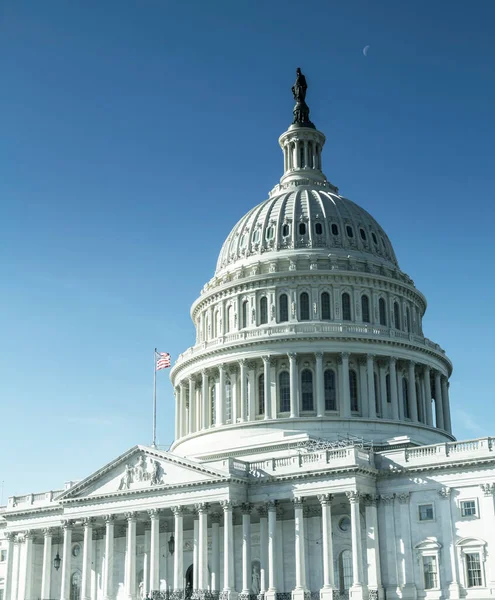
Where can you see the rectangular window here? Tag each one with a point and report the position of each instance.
(469, 508)
(473, 569)
(430, 572)
(426, 512)
(3, 555)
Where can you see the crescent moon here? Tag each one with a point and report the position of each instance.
(365, 50)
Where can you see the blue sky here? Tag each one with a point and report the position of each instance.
(135, 134)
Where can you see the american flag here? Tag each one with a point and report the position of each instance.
(162, 360)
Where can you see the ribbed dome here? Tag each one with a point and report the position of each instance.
(306, 219)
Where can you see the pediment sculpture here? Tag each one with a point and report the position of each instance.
(146, 470)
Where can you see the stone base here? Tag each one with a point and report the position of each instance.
(392, 592)
(228, 595)
(358, 592)
(271, 595)
(409, 592)
(301, 594)
(454, 591)
(329, 593)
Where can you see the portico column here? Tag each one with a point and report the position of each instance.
(427, 386)
(320, 390)
(202, 509)
(345, 406)
(87, 558)
(46, 569)
(228, 550)
(272, 546)
(195, 548)
(370, 370)
(300, 551)
(393, 388)
(192, 405)
(409, 591)
(449, 538)
(109, 550)
(488, 514)
(263, 512)
(357, 590)
(66, 561)
(26, 569)
(387, 502)
(215, 552)
(294, 396)
(146, 558)
(154, 515)
(411, 382)
(438, 402)
(446, 404)
(246, 509)
(179, 543)
(267, 387)
(16, 557)
(220, 408)
(204, 399)
(373, 546)
(9, 567)
(130, 564)
(326, 592)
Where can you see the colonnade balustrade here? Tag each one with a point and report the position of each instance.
(158, 581)
(312, 385)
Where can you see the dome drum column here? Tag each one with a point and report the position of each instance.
(370, 359)
(438, 402)
(294, 396)
(267, 387)
(411, 382)
(446, 404)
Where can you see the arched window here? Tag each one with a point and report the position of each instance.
(213, 405)
(307, 390)
(365, 308)
(215, 324)
(377, 395)
(345, 571)
(397, 315)
(285, 229)
(382, 309)
(245, 313)
(330, 390)
(405, 398)
(325, 306)
(228, 401)
(228, 321)
(318, 228)
(284, 391)
(302, 228)
(261, 394)
(304, 306)
(346, 307)
(283, 308)
(353, 390)
(408, 320)
(263, 310)
(387, 386)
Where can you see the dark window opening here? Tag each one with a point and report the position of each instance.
(304, 306)
(284, 308)
(335, 229)
(318, 229)
(330, 390)
(325, 306)
(365, 308)
(350, 231)
(307, 389)
(346, 307)
(302, 228)
(362, 233)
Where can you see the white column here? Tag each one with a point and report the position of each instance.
(409, 587)
(387, 502)
(242, 389)
(183, 412)
(438, 402)
(449, 539)
(294, 388)
(263, 512)
(267, 387)
(357, 590)
(446, 404)
(427, 386)
(300, 551)
(204, 399)
(393, 388)
(202, 509)
(413, 400)
(272, 545)
(320, 391)
(235, 393)
(246, 547)
(195, 548)
(9, 567)
(370, 370)
(228, 549)
(383, 388)
(220, 408)
(154, 515)
(146, 559)
(192, 405)
(326, 592)
(179, 543)
(373, 545)
(109, 551)
(46, 569)
(177, 413)
(16, 557)
(345, 400)
(26, 568)
(488, 515)
(66, 561)
(305, 142)
(130, 564)
(87, 558)
(252, 392)
(215, 552)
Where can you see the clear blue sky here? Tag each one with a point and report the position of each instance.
(134, 134)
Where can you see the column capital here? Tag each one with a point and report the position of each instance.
(48, 531)
(202, 507)
(354, 496)
(271, 505)
(10, 536)
(488, 489)
(215, 517)
(298, 502)
(227, 505)
(89, 521)
(262, 510)
(325, 499)
(404, 497)
(370, 356)
(387, 498)
(392, 360)
(109, 518)
(246, 508)
(242, 362)
(154, 513)
(178, 511)
(131, 516)
(345, 355)
(444, 492)
(292, 355)
(68, 524)
(371, 499)
(28, 534)
(319, 355)
(221, 368)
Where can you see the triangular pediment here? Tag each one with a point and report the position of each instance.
(140, 469)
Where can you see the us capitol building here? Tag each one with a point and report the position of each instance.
(313, 455)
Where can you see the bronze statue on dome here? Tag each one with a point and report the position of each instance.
(301, 109)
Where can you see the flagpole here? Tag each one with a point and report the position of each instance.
(154, 400)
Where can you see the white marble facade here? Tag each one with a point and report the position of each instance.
(313, 453)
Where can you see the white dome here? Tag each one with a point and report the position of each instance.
(308, 219)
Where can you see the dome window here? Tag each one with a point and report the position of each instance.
(382, 309)
(307, 390)
(362, 233)
(284, 392)
(269, 233)
(375, 239)
(397, 315)
(285, 230)
(261, 394)
(256, 236)
(304, 306)
(335, 229)
(244, 313)
(346, 307)
(353, 390)
(283, 308)
(302, 228)
(243, 241)
(365, 308)
(263, 310)
(318, 229)
(330, 390)
(350, 231)
(325, 306)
